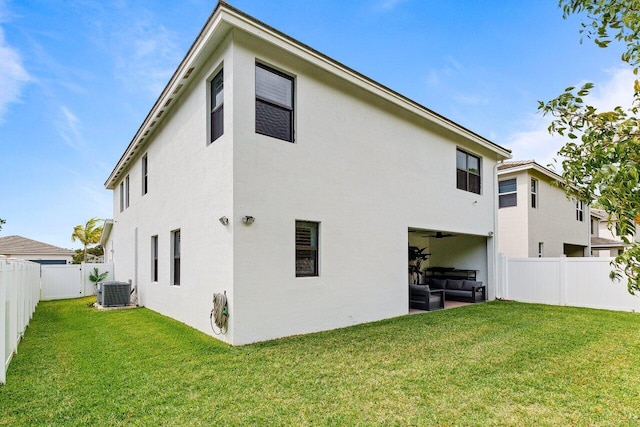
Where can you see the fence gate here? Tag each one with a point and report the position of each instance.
(62, 281)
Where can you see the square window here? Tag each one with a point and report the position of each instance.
(306, 248)
(507, 193)
(274, 103)
(468, 172)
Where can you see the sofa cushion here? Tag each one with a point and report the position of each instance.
(439, 283)
(469, 284)
(454, 284)
(458, 293)
(417, 290)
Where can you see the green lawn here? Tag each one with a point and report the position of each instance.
(496, 363)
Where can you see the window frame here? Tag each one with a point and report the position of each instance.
(215, 109)
(540, 249)
(314, 226)
(121, 186)
(145, 174)
(467, 171)
(176, 248)
(534, 193)
(127, 192)
(507, 193)
(273, 104)
(154, 259)
(580, 210)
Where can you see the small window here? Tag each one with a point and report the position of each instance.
(306, 248)
(145, 174)
(126, 192)
(508, 193)
(274, 103)
(154, 258)
(534, 193)
(468, 172)
(217, 107)
(121, 196)
(540, 249)
(175, 250)
(579, 210)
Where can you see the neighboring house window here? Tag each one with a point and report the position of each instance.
(154, 258)
(175, 250)
(580, 210)
(274, 103)
(593, 227)
(534, 193)
(306, 248)
(121, 196)
(468, 171)
(126, 192)
(540, 249)
(145, 174)
(217, 107)
(508, 193)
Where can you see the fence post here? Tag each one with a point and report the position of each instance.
(3, 319)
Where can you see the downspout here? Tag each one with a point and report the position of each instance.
(497, 274)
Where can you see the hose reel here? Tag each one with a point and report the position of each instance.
(219, 314)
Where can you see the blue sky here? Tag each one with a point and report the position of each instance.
(77, 78)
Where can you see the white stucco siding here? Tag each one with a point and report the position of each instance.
(554, 221)
(190, 187)
(363, 170)
(513, 227)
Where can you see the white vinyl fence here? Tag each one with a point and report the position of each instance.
(19, 296)
(71, 280)
(577, 282)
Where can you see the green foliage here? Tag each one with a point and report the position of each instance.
(490, 364)
(88, 234)
(601, 158)
(96, 276)
(96, 252)
(2, 222)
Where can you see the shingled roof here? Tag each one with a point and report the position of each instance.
(18, 245)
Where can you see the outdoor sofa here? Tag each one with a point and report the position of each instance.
(460, 290)
(421, 297)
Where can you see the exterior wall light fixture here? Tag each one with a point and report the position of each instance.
(223, 220)
(248, 220)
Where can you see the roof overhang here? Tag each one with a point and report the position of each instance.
(106, 232)
(225, 18)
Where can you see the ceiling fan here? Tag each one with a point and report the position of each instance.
(441, 235)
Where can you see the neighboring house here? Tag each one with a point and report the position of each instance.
(607, 242)
(32, 250)
(535, 217)
(295, 184)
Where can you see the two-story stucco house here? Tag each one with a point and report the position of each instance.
(607, 242)
(292, 182)
(535, 217)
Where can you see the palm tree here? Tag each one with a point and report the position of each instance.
(88, 234)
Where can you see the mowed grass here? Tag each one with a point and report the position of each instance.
(497, 363)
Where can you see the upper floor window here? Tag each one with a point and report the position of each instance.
(145, 174)
(468, 171)
(274, 103)
(121, 196)
(580, 210)
(126, 192)
(306, 248)
(217, 107)
(508, 193)
(534, 193)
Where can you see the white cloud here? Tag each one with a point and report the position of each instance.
(146, 53)
(389, 4)
(69, 128)
(13, 76)
(534, 140)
